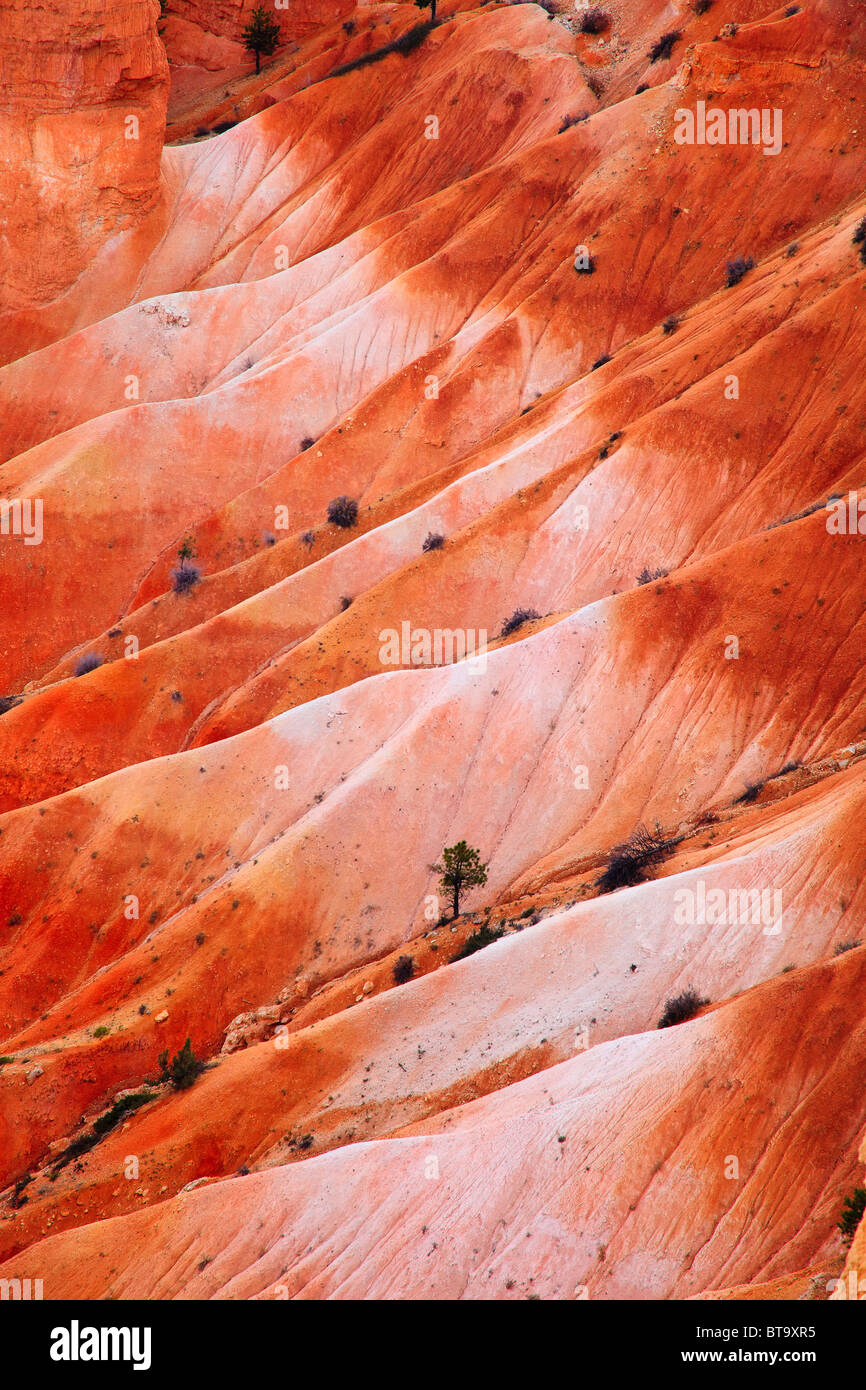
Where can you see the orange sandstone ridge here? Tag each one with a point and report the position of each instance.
(598, 565)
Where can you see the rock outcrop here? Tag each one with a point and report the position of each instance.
(82, 118)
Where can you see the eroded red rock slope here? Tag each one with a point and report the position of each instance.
(225, 829)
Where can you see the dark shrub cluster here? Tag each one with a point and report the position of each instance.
(517, 619)
(670, 325)
(433, 541)
(343, 511)
(407, 43)
(634, 861)
(593, 21)
(736, 269)
(185, 577)
(484, 936)
(752, 792)
(681, 1008)
(404, 969)
(664, 46)
(91, 661)
(647, 576)
(569, 121)
(853, 1208)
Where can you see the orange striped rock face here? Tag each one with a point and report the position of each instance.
(432, 695)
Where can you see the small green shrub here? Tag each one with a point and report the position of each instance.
(853, 1208)
(183, 1070)
(484, 936)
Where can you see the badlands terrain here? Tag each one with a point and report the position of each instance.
(585, 388)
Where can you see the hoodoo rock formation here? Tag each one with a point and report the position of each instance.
(83, 94)
(445, 334)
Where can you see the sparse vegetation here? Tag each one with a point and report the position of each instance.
(404, 969)
(847, 946)
(8, 702)
(664, 46)
(634, 861)
(517, 619)
(306, 443)
(91, 661)
(752, 792)
(185, 575)
(670, 325)
(593, 20)
(101, 1031)
(568, 121)
(647, 576)
(484, 936)
(641, 87)
(433, 541)
(343, 511)
(601, 361)
(736, 269)
(407, 43)
(345, 602)
(853, 1208)
(183, 1070)
(701, 6)
(461, 868)
(681, 1008)
(860, 232)
(102, 1126)
(120, 1109)
(261, 35)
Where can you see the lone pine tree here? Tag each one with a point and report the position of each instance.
(261, 35)
(461, 868)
